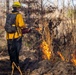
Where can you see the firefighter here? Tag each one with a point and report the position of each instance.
(14, 40)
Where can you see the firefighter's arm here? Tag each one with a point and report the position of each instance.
(21, 21)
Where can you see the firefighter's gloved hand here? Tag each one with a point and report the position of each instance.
(26, 30)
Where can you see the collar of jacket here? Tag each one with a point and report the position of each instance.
(14, 11)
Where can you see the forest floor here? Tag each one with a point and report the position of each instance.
(31, 65)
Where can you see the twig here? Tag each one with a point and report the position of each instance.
(18, 68)
(1, 53)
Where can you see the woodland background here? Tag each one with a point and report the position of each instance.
(50, 47)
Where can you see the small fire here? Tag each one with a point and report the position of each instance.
(61, 56)
(38, 29)
(73, 60)
(46, 51)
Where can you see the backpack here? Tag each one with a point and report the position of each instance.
(10, 26)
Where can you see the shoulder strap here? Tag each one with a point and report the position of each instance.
(15, 22)
(15, 25)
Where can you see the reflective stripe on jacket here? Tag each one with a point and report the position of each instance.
(20, 24)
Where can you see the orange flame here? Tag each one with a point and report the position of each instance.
(46, 51)
(38, 29)
(73, 60)
(61, 56)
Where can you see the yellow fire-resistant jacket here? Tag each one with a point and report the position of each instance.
(20, 23)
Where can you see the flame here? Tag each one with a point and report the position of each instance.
(46, 51)
(61, 56)
(38, 29)
(73, 60)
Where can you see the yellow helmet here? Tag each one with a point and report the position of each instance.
(16, 4)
